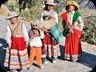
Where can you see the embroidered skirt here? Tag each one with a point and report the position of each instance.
(50, 48)
(17, 57)
(73, 47)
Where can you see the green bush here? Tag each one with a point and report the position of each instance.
(31, 14)
(29, 9)
(13, 6)
(89, 31)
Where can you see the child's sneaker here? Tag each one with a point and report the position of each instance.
(13, 70)
(53, 60)
(41, 67)
(31, 67)
(44, 60)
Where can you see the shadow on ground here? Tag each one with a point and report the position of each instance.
(87, 58)
(3, 46)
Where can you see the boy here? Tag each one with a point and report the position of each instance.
(35, 36)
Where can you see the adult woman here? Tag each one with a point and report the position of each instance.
(73, 22)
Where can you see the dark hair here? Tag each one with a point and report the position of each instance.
(72, 5)
(46, 7)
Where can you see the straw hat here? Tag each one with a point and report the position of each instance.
(47, 24)
(11, 15)
(71, 3)
(50, 2)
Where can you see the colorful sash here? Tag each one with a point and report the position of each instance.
(64, 16)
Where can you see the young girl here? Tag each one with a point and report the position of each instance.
(17, 38)
(51, 48)
(73, 21)
(35, 35)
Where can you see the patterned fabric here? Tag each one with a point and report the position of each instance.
(31, 33)
(52, 13)
(56, 33)
(76, 15)
(17, 57)
(77, 23)
(9, 34)
(51, 41)
(65, 17)
(73, 49)
(55, 50)
(35, 36)
(51, 47)
(16, 29)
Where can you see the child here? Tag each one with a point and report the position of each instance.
(50, 47)
(35, 35)
(17, 38)
(73, 21)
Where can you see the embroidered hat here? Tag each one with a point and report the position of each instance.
(47, 24)
(35, 23)
(11, 15)
(50, 2)
(72, 3)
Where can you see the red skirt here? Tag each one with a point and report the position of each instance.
(50, 48)
(17, 57)
(73, 47)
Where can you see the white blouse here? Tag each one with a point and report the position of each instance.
(36, 41)
(78, 21)
(52, 13)
(8, 34)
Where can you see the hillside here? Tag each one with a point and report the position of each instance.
(86, 4)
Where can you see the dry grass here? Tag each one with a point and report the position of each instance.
(3, 12)
(89, 46)
(87, 12)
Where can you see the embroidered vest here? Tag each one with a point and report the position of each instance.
(16, 29)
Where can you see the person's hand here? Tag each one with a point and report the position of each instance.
(39, 28)
(37, 35)
(9, 46)
(26, 44)
(50, 17)
(68, 26)
(67, 35)
(46, 31)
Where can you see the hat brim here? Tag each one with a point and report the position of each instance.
(51, 4)
(9, 17)
(72, 3)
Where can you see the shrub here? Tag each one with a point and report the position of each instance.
(31, 14)
(2, 11)
(89, 31)
(31, 11)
